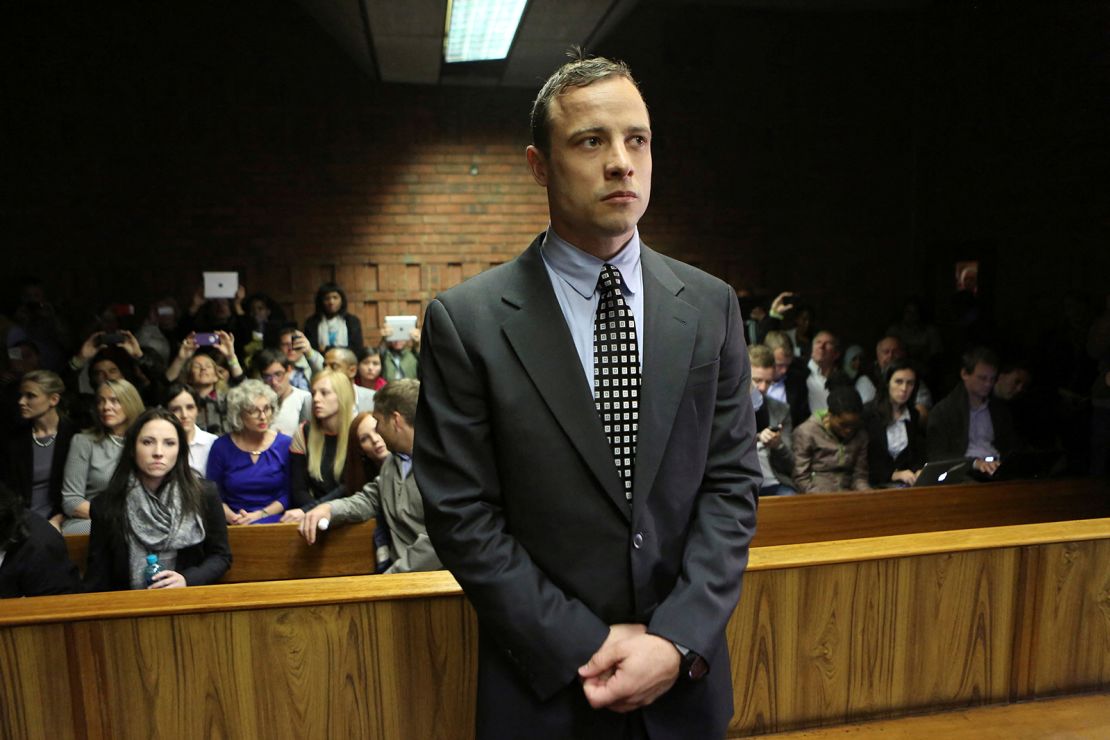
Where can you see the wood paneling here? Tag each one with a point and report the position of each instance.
(890, 626)
(834, 516)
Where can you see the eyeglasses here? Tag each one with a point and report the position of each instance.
(258, 411)
(271, 377)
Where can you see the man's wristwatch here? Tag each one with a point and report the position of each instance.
(692, 667)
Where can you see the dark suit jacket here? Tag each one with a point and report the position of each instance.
(949, 421)
(39, 563)
(524, 506)
(200, 564)
(21, 455)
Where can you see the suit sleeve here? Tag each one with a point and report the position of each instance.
(705, 594)
(464, 513)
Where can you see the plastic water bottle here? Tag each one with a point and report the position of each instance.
(323, 524)
(153, 568)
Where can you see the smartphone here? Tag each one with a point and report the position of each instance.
(206, 339)
(110, 339)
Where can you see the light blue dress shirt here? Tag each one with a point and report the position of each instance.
(574, 275)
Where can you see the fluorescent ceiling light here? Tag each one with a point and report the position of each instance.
(481, 29)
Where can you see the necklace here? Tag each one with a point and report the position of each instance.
(49, 439)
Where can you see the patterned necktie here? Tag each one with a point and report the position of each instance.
(617, 373)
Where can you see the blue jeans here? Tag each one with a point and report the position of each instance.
(777, 489)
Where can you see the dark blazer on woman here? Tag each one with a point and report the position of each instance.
(200, 564)
(881, 465)
(21, 456)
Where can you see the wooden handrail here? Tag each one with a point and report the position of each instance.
(231, 597)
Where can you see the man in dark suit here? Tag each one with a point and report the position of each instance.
(603, 559)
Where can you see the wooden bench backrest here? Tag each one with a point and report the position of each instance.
(843, 516)
(273, 552)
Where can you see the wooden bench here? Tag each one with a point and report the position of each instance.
(816, 517)
(274, 552)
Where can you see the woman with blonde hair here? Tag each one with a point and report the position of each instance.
(37, 456)
(94, 453)
(318, 455)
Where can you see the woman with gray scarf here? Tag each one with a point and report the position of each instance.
(155, 504)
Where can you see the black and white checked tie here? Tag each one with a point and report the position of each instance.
(617, 373)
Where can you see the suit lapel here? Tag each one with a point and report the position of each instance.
(538, 334)
(670, 331)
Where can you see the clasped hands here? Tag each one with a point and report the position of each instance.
(630, 670)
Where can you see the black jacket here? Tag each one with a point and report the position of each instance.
(948, 426)
(19, 461)
(879, 462)
(39, 564)
(200, 564)
(354, 331)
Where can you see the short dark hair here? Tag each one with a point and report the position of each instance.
(977, 355)
(580, 71)
(326, 288)
(269, 356)
(844, 399)
(176, 389)
(400, 396)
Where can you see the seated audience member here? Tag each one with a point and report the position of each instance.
(895, 434)
(399, 357)
(93, 453)
(22, 358)
(392, 497)
(183, 402)
(257, 316)
(111, 356)
(160, 331)
(331, 325)
(36, 319)
(851, 365)
(294, 404)
(319, 451)
(887, 350)
(37, 454)
(824, 364)
(920, 338)
(789, 384)
(155, 505)
(774, 430)
(207, 314)
(966, 423)
(303, 358)
(345, 362)
(366, 452)
(369, 368)
(200, 369)
(33, 556)
(250, 466)
(830, 448)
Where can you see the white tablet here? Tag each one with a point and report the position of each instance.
(400, 327)
(221, 284)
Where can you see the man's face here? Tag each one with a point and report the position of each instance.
(1012, 384)
(277, 377)
(980, 381)
(387, 430)
(887, 351)
(104, 370)
(598, 172)
(783, 359)
(762, 377)
(286, 341)
(334, 362)
(824, 351)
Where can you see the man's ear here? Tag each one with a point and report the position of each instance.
(537, 162)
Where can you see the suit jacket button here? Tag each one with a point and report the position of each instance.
(637, 540)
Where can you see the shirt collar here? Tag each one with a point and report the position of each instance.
(904, 416)
(580, 270)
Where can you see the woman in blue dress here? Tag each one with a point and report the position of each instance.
(250, 465)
